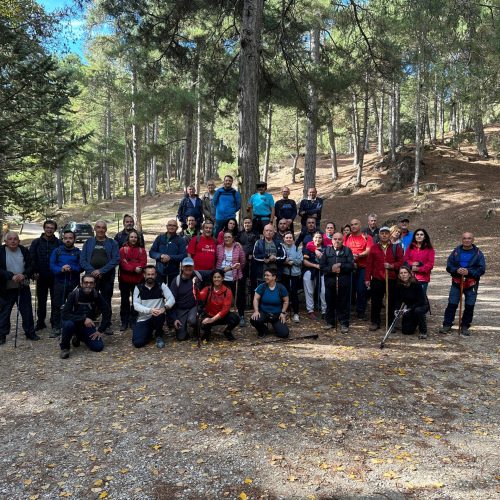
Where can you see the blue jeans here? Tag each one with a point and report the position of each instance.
(82, 332)
(470, 295)
(219, 226)
(424, 285)
(142, 332)
(25, 310)
(359, 287)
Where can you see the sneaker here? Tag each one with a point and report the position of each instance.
(295, 318)
(243, 323)
(373, 327)
(312, 315)
(229, 335)
(55, 333)
(261, 335)
(160, 343)
(108, 331)
(32, 336)
(40, 326)
(64, 354)
(2, 340)
(344, 329)
(328, 326)
(465, 331)
(75, 341)
(123, 327)
(422, 335)
(445, 329)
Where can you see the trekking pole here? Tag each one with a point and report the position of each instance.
(336, 302)
(386, 299)
(398, 314)
(318, 286)
(460, 304)
(17, 315)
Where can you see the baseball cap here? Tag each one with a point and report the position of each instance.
(187, 261)
(384, 228)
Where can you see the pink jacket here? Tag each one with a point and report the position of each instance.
(423, 255)
(238, 256)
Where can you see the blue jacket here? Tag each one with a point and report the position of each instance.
(259, 254)
(40, 252)
(476, 267)
(406, 240)
(226, 202)
(112, 251)
(175, 247)
(60, 257)
(186, 209)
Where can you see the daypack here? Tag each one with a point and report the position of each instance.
(196, 273)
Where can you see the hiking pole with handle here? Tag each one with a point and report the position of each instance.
(336, 311)
(398, 314)
(17, 315)
(386, 299)
(462, 279)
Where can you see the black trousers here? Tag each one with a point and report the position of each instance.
(105, 285)
(259, 222)
(337, 304)
(44, 287)
(292, 285)
(128, 314)
(412, 319)
(231, 321)
(61, 292)
(378, 294)
(280, 329)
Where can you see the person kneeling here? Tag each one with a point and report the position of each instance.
(151, 300)
(79, 314)
(270, 304)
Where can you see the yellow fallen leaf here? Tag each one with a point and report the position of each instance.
(34, 497)
(65, 494)
(51, 466)
(323, 465)
(203, 426)
(377, 460)
(437, 436)
(95, 468)
(124, 470)
(437, 485)
(103, 494)
(390, 475)
(291, 478)
(156, 447)
(108, 450)
(98, 482)
(27, 482)
(282, 425)
(242, 496)
(338, 468)
(227, 430)
(248, 481)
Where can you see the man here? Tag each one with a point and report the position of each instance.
(384, 261)
(128, 226)
(372, 229)
(202, 248)
(190, 230)
(65, 266)
(183, 314)
(99, 257)
(190, 205)
(286, 209)
(206, 201)
(168, 250)
(307, 232)
(247, 238)
(261, 207)
(406, 234)
(336, 265)
(268, 253)
(151, 301)
(466, 263)
(282, 230)
(79, 316)
(360, 245)
(226, 201)
(15, 271)
(311, 207)
(40, 251)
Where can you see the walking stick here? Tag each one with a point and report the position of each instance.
(460, 305)
(398, 314)
(386, 299)
(336, 302)
(17, 315)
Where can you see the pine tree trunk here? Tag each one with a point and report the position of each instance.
(362, 139)
(135, 154)
(188, 150)
(199, 145)
(355, 129)
(380, 137)
(435, 114)
(71, 186)
(312, 122)
(154, 165)
(59, 189)
(268, 140)
(397, 112)
(126, 172)
(333, 149)
(83, 188)
(418, 139)
(392, 123)
(441, 117)
(297, 148)
(209, 170)
(479, 132)
(248, 97)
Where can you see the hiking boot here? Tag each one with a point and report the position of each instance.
(243, 323)
(328, 326)
(373, 327)
(32, 336)
(344, 329)
(40, 326)
(312, 315)
(229, 335)
(64, 354)
(123, 327)
(445, 329)
(55, 333)
(108, 331)
(75, 341)
(422, 335)
(160, 343)
(295, 318)
(465, 331)
(2, 340)
(361, 316)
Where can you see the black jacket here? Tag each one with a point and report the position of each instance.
(79, 306)
(121, 238)
(412, 296)
(248, 240)
(346, 261)
(40, 251)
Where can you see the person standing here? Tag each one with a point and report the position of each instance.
(65, 266)
(202, 249)
(337, 265)
(286, 209)
(311, 207)
(329, 232)
(151, 301)
(420, 257)
(372, 228)
(190, 205)
(465, 264)
(133, 260)
(261, 207)
(100, 256)
(227, 202)
(406, 234)
(15, 271)
(313, 279)
(307, 232)
(190, 230)
(128, 226)
(207, 205)
(281, 230)
(292, 270)
(360, 245)
(384, 261)
(231, 226)
(40, 250)
(168, 250)
(267, 253)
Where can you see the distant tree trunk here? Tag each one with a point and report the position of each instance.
(392, 123)
(154, 164)
(297, 148)
(418, 130)
(248, 97)
(268, 140)
(71, 185)
(355, 129)
(333, 149)
(135, 154)
(441, 117)
(362, 139)
(435, 113)
(479, 132)
(59, 189)
(380, 136)
(83, 188)
(209, 163)
(312, 122)
(106, 178)
(126, 172)
(397, 112)
(199, 145)
(188, 151)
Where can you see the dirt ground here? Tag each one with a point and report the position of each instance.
(335, 417)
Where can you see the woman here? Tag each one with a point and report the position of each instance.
(395, 236)
(216, 300)
(329, 232)
(346, 230)
(270, 304)
(230, 257)
(420, 256)
(312, 278)
(231, 226)
(410, 295)
(292, 270)
(133, 259)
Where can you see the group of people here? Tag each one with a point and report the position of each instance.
(208, 271)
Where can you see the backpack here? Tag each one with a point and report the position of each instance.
(280, 289)
(196, 273)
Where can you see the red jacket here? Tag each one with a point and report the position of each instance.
(358, 244)
(238, 256)
(423, 255)
(393, 254)
(217, 301)
(130, 258)
(203, 252)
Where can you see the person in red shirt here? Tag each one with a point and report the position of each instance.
(360, 245)
(420, 256)
(216, 300)
(385, 259)
(202, 248)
